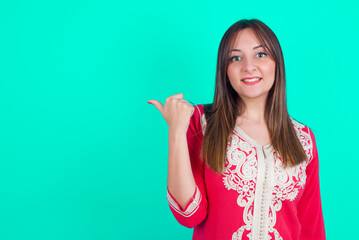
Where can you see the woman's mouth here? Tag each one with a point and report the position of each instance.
(251, 81)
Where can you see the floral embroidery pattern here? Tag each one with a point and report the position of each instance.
(241, 175)
(289, 181)
(241, 169)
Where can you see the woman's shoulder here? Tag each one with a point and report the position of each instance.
(202, 108)
(199, 108)
(305, 135)
(299, 125)
(199, 115)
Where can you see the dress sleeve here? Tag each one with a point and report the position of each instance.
(196, 210)
(309, 206)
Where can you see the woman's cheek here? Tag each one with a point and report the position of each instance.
(232, 72)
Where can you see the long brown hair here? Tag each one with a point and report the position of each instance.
(227, 105)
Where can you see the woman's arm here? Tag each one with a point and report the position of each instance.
(195, 210)
(185, 183)
(180, 180)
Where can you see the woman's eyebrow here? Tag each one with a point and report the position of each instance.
(240, 50)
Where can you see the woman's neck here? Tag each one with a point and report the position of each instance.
(254, 111)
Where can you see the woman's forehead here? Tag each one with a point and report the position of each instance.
(245, 38)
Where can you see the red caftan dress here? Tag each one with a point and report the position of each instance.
(255, 198)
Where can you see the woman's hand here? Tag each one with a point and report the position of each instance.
(177, 112)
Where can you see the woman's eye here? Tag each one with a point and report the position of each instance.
(234, 58)
(262, 53)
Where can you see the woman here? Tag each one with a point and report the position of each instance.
(241, 167)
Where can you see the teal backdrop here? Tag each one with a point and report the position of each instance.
(82, 153)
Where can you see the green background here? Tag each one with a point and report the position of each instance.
(83, 156)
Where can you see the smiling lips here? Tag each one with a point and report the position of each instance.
(251, 81)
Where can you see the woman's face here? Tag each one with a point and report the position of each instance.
(248, 62)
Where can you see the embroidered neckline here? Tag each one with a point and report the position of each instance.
(251, 140)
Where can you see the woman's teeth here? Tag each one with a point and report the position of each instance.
(251, 80)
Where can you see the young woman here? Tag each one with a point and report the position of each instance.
(241, 167)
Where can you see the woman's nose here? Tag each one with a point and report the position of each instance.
(249, 65)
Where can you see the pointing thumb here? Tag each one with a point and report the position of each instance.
(158, 105)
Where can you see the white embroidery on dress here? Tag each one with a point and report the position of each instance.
(289, 181)
(191, 209)
(240, 175)
(241, 172)
(203, 123)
